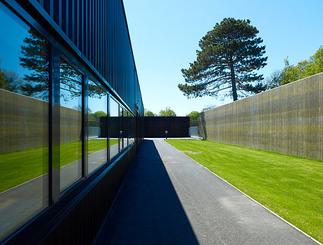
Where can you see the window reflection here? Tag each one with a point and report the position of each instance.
(97, 126)
(126, 127)
(122, 128)
(24, 123)
(114, 128)
(70, 125)
(131, 129)
(24, 113)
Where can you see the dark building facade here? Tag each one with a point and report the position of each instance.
(166, 126)
(71, 116)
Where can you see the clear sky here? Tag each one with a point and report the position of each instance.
(165, 36)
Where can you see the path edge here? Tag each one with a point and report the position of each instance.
(287, 222)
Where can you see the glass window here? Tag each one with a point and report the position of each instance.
(23, 122)
(70, 124)
(97, 126)
(123, 132)
(114, 128)
(127, 120)
(131, 129)
(126, 126)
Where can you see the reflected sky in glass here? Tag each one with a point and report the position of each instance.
(97, 143)
(10, 50)
(24, 127)
(70, 124)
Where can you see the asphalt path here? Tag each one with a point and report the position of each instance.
(167, 198)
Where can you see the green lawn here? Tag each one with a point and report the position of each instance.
(20, 166)
(71, 151)
(290, 186)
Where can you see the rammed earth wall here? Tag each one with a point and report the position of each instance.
(24, 122)
(288, 120)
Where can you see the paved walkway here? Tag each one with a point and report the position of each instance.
(167, 198)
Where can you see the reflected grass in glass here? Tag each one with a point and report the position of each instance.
(18, 167)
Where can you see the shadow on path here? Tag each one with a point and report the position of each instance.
(147, 209)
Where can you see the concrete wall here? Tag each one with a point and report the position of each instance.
(70, 124)
(288, 120)
(24, 122)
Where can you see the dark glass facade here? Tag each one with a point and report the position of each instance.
(70, 124)
(70, 104)
(24, 122)
(97, 144)
(114, 128)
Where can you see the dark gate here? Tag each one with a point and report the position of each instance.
(175, 126)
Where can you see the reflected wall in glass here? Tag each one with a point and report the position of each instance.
(24, 130)
(70, 124)
(131, 129)
(114, 128)
(126, 127)
(24, 122)
(97, 126)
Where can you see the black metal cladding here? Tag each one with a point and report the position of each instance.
(99, 30)
(92, 36)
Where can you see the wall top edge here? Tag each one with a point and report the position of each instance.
(268, 91)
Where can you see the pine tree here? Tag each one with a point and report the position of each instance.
(34, 58)
(229, 56)
(36, 83)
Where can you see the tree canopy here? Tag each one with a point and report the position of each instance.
(34, 57)
(149, 113)
(96, 115)
(168, 112)
(303, 69)
(227, 60)
(9, 80)
(194, 115)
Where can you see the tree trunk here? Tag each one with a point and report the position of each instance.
(233, 82)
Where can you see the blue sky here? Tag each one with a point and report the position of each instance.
(165, 36)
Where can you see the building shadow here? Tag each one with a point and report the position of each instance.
(147, 209)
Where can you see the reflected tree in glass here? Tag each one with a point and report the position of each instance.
(24, 126)
(97, 117)
(32, 58)
(70, 124)
(9, 80)
(36, 82)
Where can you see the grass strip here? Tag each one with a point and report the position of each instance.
(20, 166)
(290, 186)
